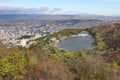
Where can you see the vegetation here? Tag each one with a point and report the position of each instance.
(100, 41)
(45, 61)
(64, 34)
(12, 66)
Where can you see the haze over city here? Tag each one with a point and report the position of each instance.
(56, 7)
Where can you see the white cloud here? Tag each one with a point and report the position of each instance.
(42, 10)
(48, 11)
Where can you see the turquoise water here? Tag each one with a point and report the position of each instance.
(77, 43)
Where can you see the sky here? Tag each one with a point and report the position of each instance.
(99, 7)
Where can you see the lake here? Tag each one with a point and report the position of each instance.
(77, 43)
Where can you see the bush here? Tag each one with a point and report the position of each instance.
(12, 66)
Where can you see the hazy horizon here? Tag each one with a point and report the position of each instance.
(58, 7)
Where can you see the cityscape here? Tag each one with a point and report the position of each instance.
(18, 32)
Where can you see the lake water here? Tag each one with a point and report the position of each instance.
(77, 43)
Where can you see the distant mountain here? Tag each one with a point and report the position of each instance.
(89, 15)
(13, 16)
(53, 17)
(36, 17)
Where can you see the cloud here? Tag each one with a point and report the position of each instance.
(42, 10)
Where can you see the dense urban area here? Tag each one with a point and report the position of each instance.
(19, 30)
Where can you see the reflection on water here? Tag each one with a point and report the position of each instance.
(77, 43)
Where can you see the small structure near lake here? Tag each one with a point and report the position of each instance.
(84, 33)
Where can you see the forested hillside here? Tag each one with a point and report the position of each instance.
(45, 61)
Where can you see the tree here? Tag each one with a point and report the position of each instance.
(12, 66)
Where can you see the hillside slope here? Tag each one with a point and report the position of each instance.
(45, 61)
(112, 33)
(112, 38)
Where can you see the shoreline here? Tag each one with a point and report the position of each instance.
(82, 35)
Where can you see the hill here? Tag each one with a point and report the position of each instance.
(112, 32)
(45, 61)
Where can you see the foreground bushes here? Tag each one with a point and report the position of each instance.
(48, 69)
(12, 66)
(89, 68)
